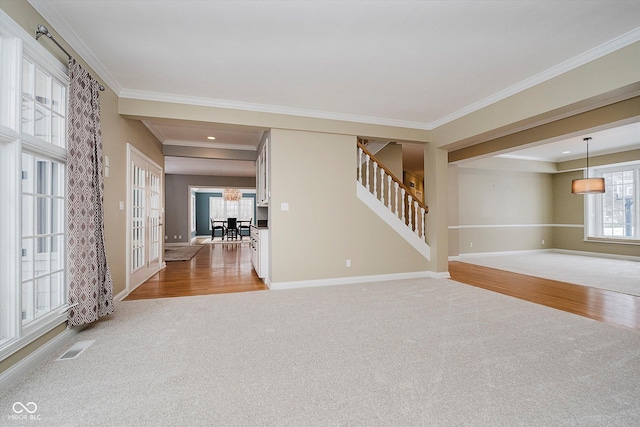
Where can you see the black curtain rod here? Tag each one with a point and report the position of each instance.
(43, 31)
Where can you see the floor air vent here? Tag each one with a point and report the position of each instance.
(76, 350)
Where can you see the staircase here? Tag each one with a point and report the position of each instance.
(391, 200)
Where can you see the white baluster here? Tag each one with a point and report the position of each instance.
(367, 166)
(360, 165)
(410, 211)
(375, 179)
(417, 220)
(397, 188)
(389, 192)
(402, 193)
(424, 223)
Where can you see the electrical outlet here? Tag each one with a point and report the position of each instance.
(470, 244)
(543, 241)
(348, 263)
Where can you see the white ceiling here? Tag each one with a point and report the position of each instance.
(619, 138)
(410, 63)
(218, 167)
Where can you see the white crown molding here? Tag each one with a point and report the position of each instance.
(57, 22)
(568, 65)
(154, 131)
(264, 108)
(48, 11)
(201, 144)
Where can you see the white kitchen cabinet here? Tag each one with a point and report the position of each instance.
(260, 250)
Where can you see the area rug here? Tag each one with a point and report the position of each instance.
(217, 241)
(180, 253)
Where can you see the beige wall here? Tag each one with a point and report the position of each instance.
(326, 223)
(391, 157)
(500, 210)
(116, 133)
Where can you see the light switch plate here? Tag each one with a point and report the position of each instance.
(284, 206)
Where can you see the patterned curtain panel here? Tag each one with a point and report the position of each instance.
(90, 284)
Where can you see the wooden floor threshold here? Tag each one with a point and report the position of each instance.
(599, 304)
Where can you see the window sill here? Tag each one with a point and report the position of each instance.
(632, 242)
(34, 331)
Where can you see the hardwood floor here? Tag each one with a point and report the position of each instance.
(599, 304)
(225, 268)
(219, 268)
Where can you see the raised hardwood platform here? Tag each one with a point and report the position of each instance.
(599, 304)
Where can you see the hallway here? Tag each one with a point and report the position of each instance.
(217, 268)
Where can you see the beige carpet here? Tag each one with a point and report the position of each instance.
(604, 273)
(408, 353)
(181, 253)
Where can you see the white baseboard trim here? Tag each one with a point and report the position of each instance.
(121, 295)
(597, 254)
(357, 279)
(18, 371)
(460, 257)
(440, 275)
(476, 226)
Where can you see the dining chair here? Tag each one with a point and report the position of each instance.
(245, 225)
(217, 225)
(232, 228)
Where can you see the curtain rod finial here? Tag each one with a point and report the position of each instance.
(42, 30)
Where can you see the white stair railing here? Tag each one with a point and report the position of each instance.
(391, 192)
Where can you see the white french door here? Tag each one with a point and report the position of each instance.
(144, 218)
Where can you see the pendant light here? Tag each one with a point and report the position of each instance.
(587, 185)
(231, 194)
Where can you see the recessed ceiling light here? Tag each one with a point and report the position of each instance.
(211, 137)
(566, 152)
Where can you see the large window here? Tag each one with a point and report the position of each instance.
(33, 106)
(43, 254)
(221, 209)
(615, 215)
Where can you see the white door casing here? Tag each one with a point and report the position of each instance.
(144, 218)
